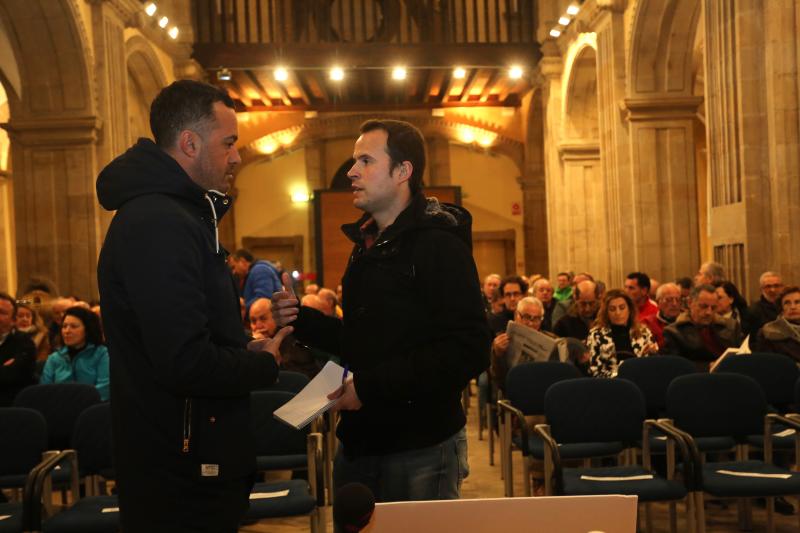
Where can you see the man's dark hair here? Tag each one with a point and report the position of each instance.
(642, 279)
(7, 297)
(684, 283)
(245, 254)
(568, 274)
(91, 323)
(182, 105)
(705, 287)
(404, 142)
(786, 292)
(514, 279)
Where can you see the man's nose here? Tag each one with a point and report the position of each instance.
(235, 158)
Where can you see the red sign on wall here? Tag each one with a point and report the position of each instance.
(516, 208)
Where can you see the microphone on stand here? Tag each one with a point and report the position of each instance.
(352, 508)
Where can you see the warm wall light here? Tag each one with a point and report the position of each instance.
(555, 32)
(224, 74)
(398, 73)
(515, 72)
(467, 135)
(337, 74)
(150, 9)
(459, 73)
(573, 9)
(173, 32)
(163, 21)
(564, 21)
(300, 195)
(281, 74)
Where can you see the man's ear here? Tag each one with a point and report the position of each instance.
(404, 171)
(189, 143)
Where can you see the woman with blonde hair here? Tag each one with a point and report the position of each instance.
(617, 335)
(30, 322)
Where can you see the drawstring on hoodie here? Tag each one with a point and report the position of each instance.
(214, 214)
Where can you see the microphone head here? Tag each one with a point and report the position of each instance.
(353, 507)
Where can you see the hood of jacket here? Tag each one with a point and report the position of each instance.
(421, 213)
(779, 330)
(719, 322)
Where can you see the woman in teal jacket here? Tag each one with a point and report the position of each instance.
(83, 358)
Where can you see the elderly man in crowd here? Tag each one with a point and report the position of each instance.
(329, 302)
(490, 285)
(709, 273)
(637, 285)
(767, 307)
(782, 335)
(262, 324)
(563, 306)
(543, 291)
(700, 334)
(577, 322)
(668, 297)
(530, 313)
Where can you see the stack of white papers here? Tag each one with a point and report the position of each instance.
(313, 400)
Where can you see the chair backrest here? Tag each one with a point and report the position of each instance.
(23, 438)
(527, 383)
(594, 410)
(717, 404)
(91, 438)
(289, 381)
(60, 404)
(272, 436)
(775, 373)
(653, 375)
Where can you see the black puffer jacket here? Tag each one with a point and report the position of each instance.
(180, 371)
(414, 329)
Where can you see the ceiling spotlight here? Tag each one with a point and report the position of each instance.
(337, 74)
(150, 9)
(555, 32)
(281, 74)
(399, 73)
(224, 74)
(173, 32)
(564, 21)
(459, 73)
(163, 21)
(515, 72)
(573, 10)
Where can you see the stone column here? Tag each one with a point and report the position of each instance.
(57, 220)
(661, 204)
(316, 179)
(534, 222)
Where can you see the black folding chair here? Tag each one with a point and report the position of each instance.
(91, 439)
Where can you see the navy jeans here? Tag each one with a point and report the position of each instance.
(433, 473)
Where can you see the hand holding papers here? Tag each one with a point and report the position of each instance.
(744, 349)
(315, 398)
(526, 344)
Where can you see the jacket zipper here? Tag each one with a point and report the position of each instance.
(187, 424)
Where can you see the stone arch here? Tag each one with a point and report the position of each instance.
(661, 47)
(581, 118)
(146, 78)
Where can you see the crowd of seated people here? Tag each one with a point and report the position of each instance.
(697, 318)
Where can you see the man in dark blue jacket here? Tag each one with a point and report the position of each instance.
(414, 330)
(258, 279)
(181, 370)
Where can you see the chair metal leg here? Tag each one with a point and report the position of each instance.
(490, 433)
(770, 506)
(691, 516)
(509, 479)
(548, 474)
(648, 517)
(700, 512)
(526, 475)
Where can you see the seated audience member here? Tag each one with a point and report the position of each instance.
(498, 303)
(490, 285)
(257, 278)
(782, 335)
(513, 288)
(578, 320)
(563, 306)
(57, 309)
(312, 301)
(686, 285)
(731, 304)
(83, 358)
(330, 306)
(766, 308)
(530, 312)
(563, 286)
(312, 288)
(17, 353)
(709, 273)
(637, 285)
(668, 297)
(262, 325)
(699, 334)
(617, 335)
(31, 324)
(543, 291)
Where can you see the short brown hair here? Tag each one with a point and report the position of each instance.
(786, 292)
(404, 142)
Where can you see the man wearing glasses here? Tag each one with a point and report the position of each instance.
(530, 313)
(513, 288)
(767, 308)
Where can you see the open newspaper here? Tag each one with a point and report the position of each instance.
(313, 400)
(528, 345)
(744, 349)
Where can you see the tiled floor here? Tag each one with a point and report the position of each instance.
(484, 482)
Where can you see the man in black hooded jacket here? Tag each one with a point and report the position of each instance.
(414, 330)
(181, 370)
